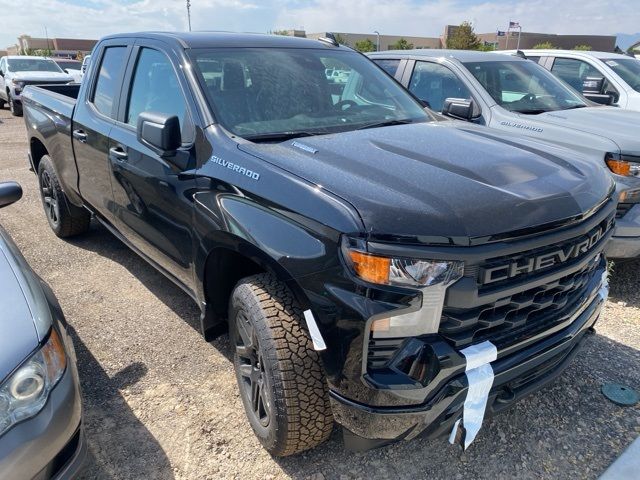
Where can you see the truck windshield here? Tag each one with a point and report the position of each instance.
(32, 65)
(524, 87)
(273, 94)
(627, 68)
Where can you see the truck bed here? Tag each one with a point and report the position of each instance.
(48, 113)
(56, 98)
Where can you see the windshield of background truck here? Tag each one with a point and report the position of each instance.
(627, 68)
(33, 65)
(524, 87)
(258, 92)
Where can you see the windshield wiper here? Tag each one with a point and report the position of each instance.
(279, 136)
(572, 107)
(531, 112)
(388, 123)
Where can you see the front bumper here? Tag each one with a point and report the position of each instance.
(51, 444)
(517, 374)
(625, 243)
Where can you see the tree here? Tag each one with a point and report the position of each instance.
(585, 48)
(284, 33)
(464, 38)
(401, 44)
(545, 46)
(340, 39)
(365, 46)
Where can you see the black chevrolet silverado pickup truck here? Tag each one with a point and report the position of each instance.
(375, 265)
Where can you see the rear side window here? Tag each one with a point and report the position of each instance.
(108, 83)
(389, 66)
(155, 88)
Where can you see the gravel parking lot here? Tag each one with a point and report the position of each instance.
(162, 403)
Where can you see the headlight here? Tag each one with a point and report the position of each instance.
(26, 391)
(625, 165)
(432, 277)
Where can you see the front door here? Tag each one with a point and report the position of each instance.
(152, 198)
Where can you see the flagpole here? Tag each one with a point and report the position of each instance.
(519, 32)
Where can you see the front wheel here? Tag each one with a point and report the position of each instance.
(65, 219)
(281, 382)
(15, 108)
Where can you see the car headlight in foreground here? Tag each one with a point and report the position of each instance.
(26, 391)
(622, 164)
(431, 277)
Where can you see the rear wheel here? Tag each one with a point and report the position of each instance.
(65, 219)
(281, 382)
(2, 102)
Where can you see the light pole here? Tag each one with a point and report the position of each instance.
(377, 40)
(189, 13)
(46, 34)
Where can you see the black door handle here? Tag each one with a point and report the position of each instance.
(118, 154)
(80, 136)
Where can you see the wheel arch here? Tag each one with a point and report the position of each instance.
(224, 265)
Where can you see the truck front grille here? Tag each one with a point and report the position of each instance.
(525, 313)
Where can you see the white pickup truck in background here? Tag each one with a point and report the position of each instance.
(617, 75)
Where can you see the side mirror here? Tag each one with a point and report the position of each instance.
(593, 89)
(10, 192)
(593, 85)
(459, 108)
(160, 132)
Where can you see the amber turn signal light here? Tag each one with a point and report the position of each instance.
(619, 167)
(370, 267)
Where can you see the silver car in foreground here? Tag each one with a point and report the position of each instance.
(519, 96)
(41, 433)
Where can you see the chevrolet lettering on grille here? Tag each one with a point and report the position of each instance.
(530, 264)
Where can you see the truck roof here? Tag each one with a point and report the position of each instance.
(22, 57)
(577, 53)
(461, 55)
(228, 39)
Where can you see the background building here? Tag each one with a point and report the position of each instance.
(385, 40)
(601, 43)
(58, 47)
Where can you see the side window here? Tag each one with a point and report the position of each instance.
(433, 83)
(155, 88)
(107, 85)
(574, 71)
(389, 66)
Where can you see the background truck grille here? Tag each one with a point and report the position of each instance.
(524, 313)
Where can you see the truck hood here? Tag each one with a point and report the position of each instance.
(618, 125)
(19, 335)
(41, 77)
(445, 179)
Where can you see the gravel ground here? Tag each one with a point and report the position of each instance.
(162, 403)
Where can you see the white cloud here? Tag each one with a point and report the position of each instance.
(95, 18)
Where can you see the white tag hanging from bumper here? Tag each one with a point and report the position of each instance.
(480, 378)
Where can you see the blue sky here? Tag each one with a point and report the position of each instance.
(95, 18)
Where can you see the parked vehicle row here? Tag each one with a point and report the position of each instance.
(372, 260)
(515, 95)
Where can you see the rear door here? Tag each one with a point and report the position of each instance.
(93, 118)
(152, 198)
